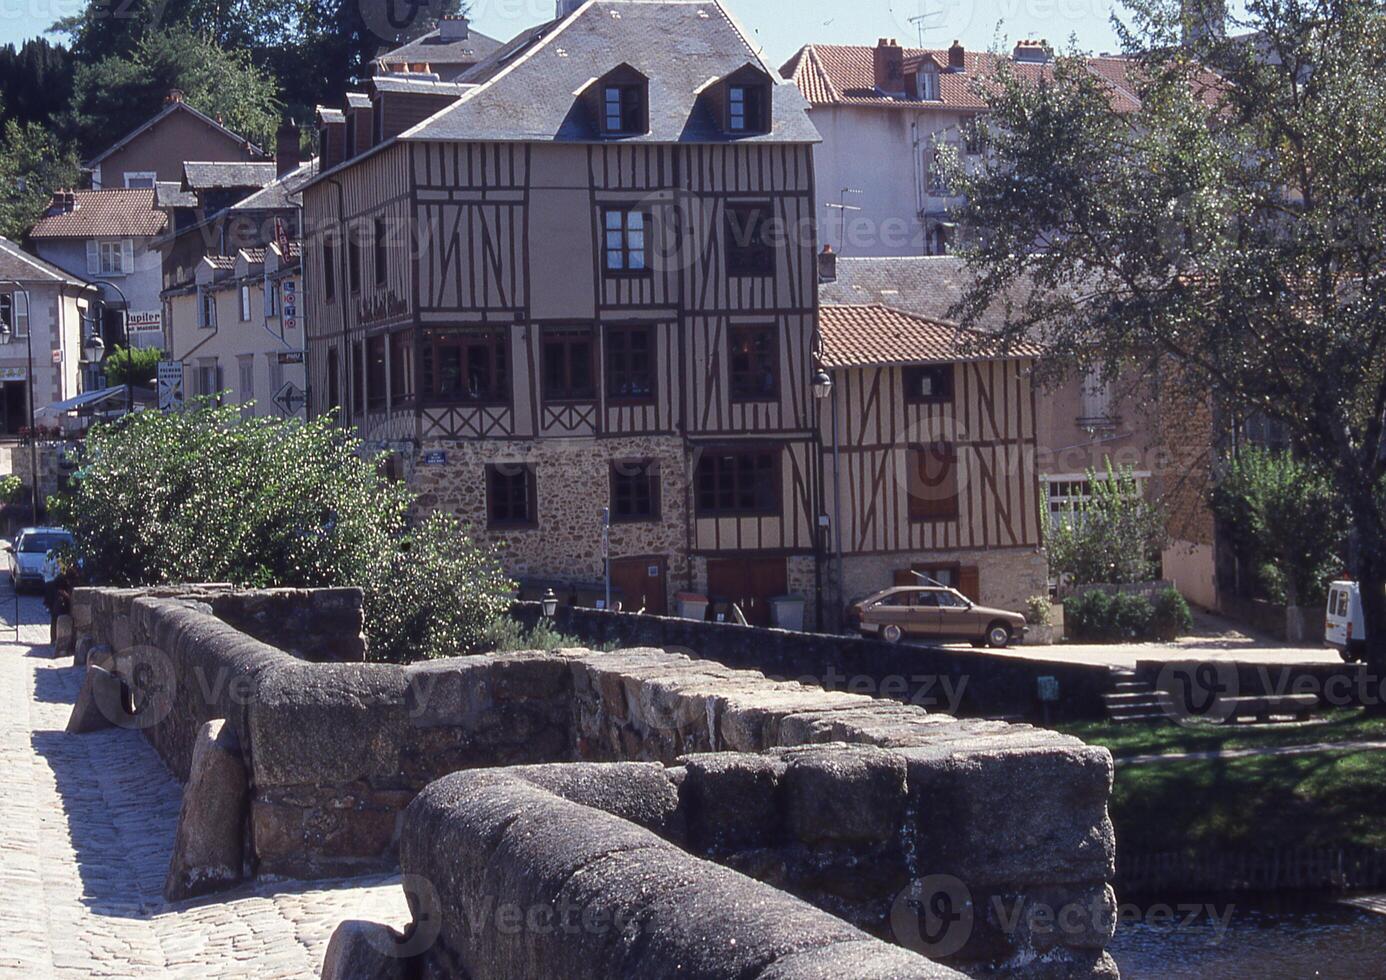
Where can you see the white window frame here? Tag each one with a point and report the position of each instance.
(206, 308)
(115, 257)
(148, 175)
(243, 298)
(1063, 491)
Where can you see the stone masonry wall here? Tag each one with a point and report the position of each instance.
(845, 801)
(572, 485)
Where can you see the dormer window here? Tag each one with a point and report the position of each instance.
(928, 86)
(746, 109)
(741, 101)
(624, 107)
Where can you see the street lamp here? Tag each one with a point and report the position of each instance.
(129, 345)
(7, 337)
(822, 384)
(550, 604)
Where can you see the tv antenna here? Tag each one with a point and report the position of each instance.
(843, 207)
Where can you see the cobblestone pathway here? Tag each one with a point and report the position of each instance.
(86, 827)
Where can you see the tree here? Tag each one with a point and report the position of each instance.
(117, 365)
(207, 495)
(36, 79)
(1230, 230)
(1113, 536)
(114, 95)
(33, 164)
(1276, 510)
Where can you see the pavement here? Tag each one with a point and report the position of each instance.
(1212, 638)
(86, 829)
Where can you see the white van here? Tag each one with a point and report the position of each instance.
(1344, 627)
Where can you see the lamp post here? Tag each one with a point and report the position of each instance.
(823, 388)
(6, 337)
(129, 345)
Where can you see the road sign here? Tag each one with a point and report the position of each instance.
(170, 385)
(290, 398)
(435, 457)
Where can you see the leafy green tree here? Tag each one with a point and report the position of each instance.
(36, 78)
(114, 95)
(1230, 229)
(1113, 536)
(33, 164)
(1277, 509)
(207, 495)
(119, 361)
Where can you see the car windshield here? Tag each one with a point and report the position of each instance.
(41, 544)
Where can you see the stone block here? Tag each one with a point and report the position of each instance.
(64, 639)
(845, 793)
(100, 702)
(859, 960)
(208, 848)
(635, 791)
(365, 951)
(732, 800)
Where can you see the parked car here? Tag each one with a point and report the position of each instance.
(29, 553)
(1345, 628)
(934, 613)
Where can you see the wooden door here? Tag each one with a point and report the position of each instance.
(641, 582)
(749, 583)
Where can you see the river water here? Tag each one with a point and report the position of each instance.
(1245, 939)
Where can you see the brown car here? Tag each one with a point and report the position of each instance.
(934, 613)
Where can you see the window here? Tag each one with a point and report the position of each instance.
(382, 257)
(208, 377)
(401, 367)
(334, 379)
(245, 302)
(567, 357)
(738, 482)
(931, 384)
(376, 393)
(627, 244)
(276, 373)
(470, 366)
(353, 262)
(113, 258)
(358, 379)
(754, 363)
(510, 495)
(634, 491)
(245, 369)
(207, 308)
(271, 290)
(746, 105)
(630, 363)
(329, 274)
(928, 86)
(14, 313)
(932, 482)
(140, 178)
(623, 109)
(750, 252)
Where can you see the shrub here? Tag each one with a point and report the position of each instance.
(1172, 618)
(1039, 611)
(206, 495)
(505, 634)
(1098, 617)
(1112, 537)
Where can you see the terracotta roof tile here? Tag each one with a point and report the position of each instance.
(118, 213)
(841, 74)
(856, 336)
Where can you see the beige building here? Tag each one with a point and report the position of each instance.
(238, 331)
(155, 152)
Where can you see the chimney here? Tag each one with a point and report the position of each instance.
(453, 27)
(888, 60)
(287, 156)
(957, 57)
(827, 265)
(566, 7)
(1033, 52)
(64, 202)
(174, 95)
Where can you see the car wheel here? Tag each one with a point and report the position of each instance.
(998, 636)
(892, 634)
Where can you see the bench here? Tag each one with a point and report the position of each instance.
(1261, 707)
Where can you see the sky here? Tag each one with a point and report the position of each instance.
(780, 26)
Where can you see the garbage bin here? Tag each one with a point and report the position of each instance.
(692, 606)
(787, 612)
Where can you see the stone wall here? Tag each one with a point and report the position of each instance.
(845, 801)
(961, 682)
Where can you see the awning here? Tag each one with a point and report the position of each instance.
(92, 400)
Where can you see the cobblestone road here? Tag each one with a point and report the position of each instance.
(86, 827)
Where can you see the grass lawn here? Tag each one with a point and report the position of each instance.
(1332, 799)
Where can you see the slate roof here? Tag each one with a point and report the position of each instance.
(858, 336)
(528, 89)
(842, 74)
(208, 176)
(120, 213)
(924, 285)
(421, 84)
(434, 50)
(282, 192)
(170, 194)
(18, 265)
(159, 117)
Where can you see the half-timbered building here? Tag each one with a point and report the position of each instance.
(930, 446)
(574, 293)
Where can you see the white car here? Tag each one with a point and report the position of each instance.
(29, 565)
(1345, 628)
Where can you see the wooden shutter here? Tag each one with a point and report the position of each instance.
(970, 583)
(127, 257)
(905, 576)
